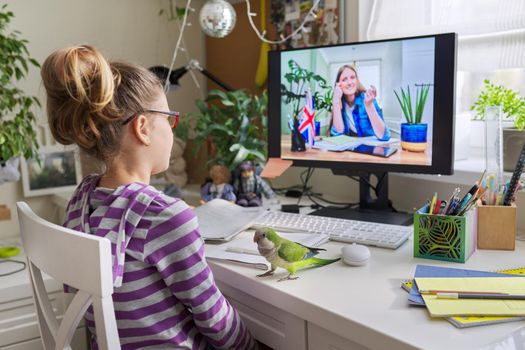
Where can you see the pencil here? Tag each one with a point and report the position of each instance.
(500, 296)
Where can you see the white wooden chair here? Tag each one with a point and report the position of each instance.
(79, 260)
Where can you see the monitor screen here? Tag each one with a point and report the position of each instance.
(375, 106)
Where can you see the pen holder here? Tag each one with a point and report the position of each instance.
(445, 237)
(497, 227)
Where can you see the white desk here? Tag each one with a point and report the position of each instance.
(343, 307)
(338, 307)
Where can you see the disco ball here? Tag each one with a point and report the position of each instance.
(217, 18)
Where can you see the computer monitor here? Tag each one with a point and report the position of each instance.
(343, 107)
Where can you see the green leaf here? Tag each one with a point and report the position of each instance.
(17, 120)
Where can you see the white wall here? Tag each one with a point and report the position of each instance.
(129, 30)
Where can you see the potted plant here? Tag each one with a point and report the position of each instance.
(17, 120)
(413, 132)
(232, 124)
(513, 109)
(300, 80)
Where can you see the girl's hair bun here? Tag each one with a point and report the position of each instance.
(87, 97)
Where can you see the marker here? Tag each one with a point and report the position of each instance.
(242, 250)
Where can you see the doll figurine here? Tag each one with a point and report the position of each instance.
(219, 186)
(250, 187)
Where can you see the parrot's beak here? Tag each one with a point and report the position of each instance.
(256, 236)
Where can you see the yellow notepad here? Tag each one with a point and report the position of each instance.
(473, 307)
(473, 321)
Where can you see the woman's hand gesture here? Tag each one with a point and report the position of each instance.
(370, 95)
(338, 94)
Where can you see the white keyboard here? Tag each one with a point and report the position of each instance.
(343, 230)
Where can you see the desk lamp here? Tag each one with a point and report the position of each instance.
(176, 74)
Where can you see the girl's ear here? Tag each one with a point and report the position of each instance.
(142, 129)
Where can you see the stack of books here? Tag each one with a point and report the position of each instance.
(468, 298)
(345, 143)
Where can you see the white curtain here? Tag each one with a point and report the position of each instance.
(491, 33)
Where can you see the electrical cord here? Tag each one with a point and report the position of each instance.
(369, 184)
(305, 177)
(344, 204)
(15, 271)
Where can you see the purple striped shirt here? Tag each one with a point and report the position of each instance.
(165, 295)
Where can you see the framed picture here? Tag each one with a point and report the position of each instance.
(58, 171)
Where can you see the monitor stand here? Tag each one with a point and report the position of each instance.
(377, 209)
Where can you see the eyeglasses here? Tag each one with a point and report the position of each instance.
(173, 117)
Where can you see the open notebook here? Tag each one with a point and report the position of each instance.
(220, 220)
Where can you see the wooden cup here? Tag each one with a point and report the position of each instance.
(497, 227)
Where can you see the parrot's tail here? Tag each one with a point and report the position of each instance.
(316, 262)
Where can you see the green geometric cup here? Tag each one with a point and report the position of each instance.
(445, 237)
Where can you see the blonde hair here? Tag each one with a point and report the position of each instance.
(88, 98)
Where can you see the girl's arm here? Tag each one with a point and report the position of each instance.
(175, 246)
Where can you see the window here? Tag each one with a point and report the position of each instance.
(491, 33)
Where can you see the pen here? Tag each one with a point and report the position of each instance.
(463, 204)
(451, 199)
(453, 207)
(242, 250)
(461, 295)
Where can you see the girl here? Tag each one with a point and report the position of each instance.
(165, 295)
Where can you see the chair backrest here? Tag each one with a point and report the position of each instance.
(79, 260)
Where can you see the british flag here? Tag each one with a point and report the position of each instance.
(306, 122)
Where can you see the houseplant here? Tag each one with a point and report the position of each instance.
(233, 126)
(513, 109)
(17, 119)
(300, 80)
(413, 132)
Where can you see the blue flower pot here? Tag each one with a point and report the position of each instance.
(414, 137)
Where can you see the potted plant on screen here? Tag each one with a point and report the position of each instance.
(299, 81)
(413, 132)
(17, 120)
(513, 109)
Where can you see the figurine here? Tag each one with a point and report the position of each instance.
(219, 186)
(249, 186)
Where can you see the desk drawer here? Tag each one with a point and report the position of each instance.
(322, 339)
(268, 324)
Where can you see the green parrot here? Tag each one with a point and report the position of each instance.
(281, 252)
